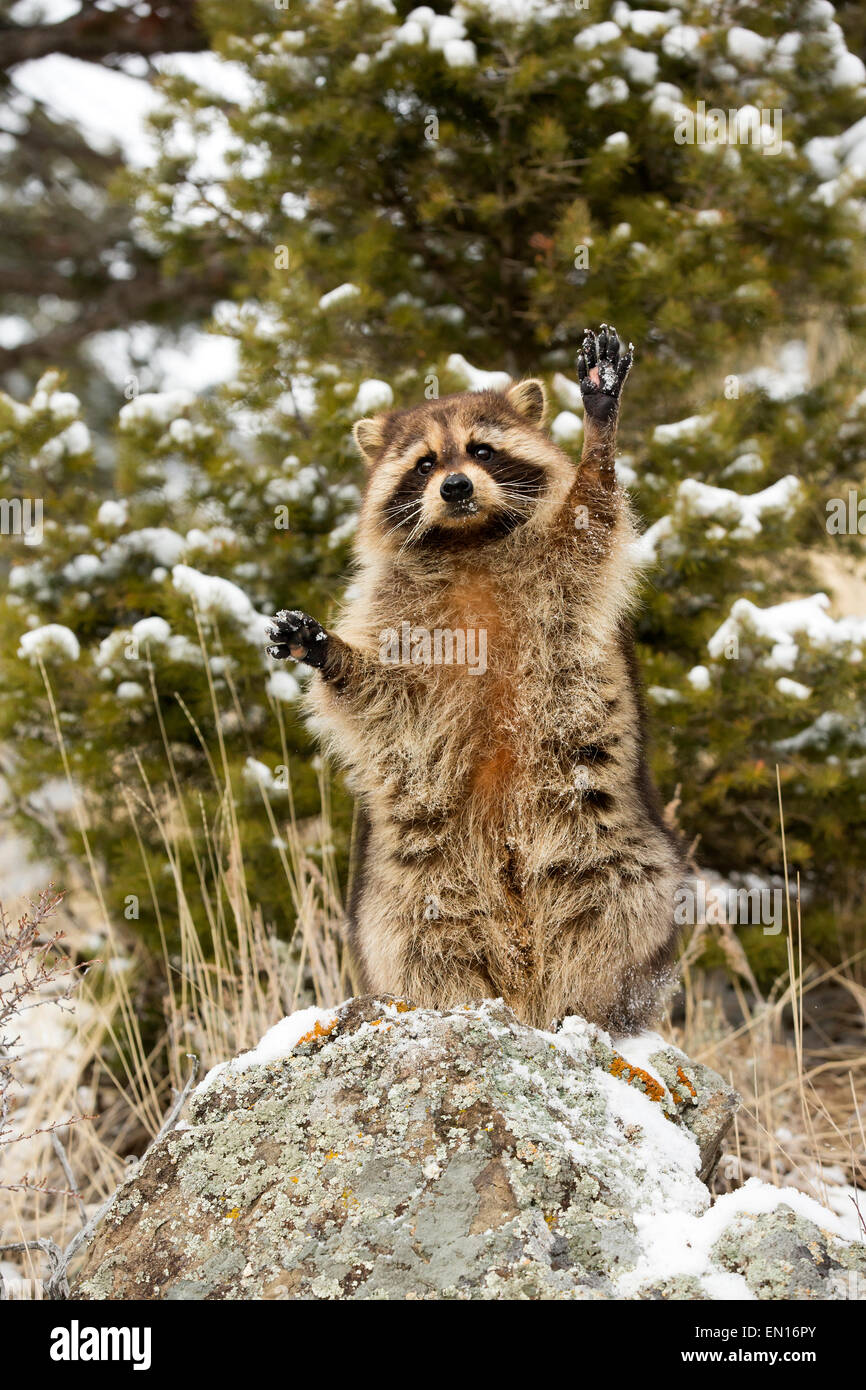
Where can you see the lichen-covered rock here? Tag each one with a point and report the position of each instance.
(405, 1153)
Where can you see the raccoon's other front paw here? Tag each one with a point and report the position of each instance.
(601, 371)
(295, 634)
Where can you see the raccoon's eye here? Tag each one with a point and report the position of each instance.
(482, 452)
(426, 464)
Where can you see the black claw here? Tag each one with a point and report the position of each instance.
(604, 351)
(297, 635)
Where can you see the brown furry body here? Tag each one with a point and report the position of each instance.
(512, 843)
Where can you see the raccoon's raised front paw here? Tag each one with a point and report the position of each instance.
(602, 369)
(296, 634)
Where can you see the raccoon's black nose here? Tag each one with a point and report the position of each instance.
(456, 487)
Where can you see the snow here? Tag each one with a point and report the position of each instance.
(568, 392)
(50, 641)
(283, 686)
(339, 295)
(786, 686)
(608, 92)
(159, 543)
(700, 499)
(113, 512)
(646, 548)
(783, 623)
(473, 378)
(129, 691)
(683, 41)
(567, 428)
(641, 67)
(686, 429)
(258, 774)
(276, 1044)
(155, 408)
(644, 22)
(218, 597)
(153, 629)
(596, 35)
(699, 678)
(373, 395)
(748, 462)
(618, 141)
(742, 512)
(791, 378)
(747, 47)
(661, 695)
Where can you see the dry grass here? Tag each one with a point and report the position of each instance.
(801, 1121)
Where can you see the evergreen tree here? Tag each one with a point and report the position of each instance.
(407, 201)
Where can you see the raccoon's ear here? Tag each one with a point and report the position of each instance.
(369, 435)
(529, 399)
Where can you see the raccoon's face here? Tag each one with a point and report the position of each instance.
(463, 471)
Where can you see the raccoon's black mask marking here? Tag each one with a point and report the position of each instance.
(522, 482)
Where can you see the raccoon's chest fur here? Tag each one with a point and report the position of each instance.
(506, 761)
(512, 843)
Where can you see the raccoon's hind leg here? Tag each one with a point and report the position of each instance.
(602, 368)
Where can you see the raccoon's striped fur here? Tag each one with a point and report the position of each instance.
(512, 842)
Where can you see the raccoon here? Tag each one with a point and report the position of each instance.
(511, 841)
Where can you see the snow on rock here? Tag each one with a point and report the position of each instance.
(782, 625)
(217, 597)
(277, 1043)
(51, 642)
(473, 378)
(154, 408)
(456, 1154)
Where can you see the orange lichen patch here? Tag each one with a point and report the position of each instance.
(317, 1031)
(332, 1154)
(402, 1007)
(291, 1179)
(681, 1077)
(233, 1214)
(619, 1067)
